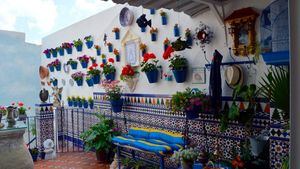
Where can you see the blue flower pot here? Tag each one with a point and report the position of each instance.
(153, 37)
(80, 104)
(152, 11)
(74, 66)
(176, 32)
(116, 105)
(55, 82)
(79, 82)
(48, 55)
(110, 76)
(89, 44)
(180, 75)
(143, 52)
(75, 103)
(34, 157)
(61, 52)
(104, 61)
(118, 58)
(189, 40)
(143, 29)
(96, 79)
(90, 82)
(54, 54)
(85, 104)
(110, 48)
(194, 113)
(91, 105)
(98, 52)
(84, 64)
(164, 20)
(58, 67)
(79, 48)
(166, 46)
(69, 51)
(152, 76)
(70, 103)
(117, 35)
(51, 68)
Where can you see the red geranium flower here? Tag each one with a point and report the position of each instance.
(20, 104)
(91, 68)
(148, 56)
(94, 65)
(102, 65)
(111, 60)
(167, 53)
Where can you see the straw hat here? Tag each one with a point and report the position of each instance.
(234, 75)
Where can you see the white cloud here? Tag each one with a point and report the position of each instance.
(39, 14)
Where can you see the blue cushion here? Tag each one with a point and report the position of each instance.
(174, 147)
(138, 132)
(123, 140)
(169, 137)
(151, 147)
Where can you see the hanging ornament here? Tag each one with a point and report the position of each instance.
(203, 35)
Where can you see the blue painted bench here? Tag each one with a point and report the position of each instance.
(159, 142)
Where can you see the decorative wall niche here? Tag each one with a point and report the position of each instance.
(130, 44)
(242, 30)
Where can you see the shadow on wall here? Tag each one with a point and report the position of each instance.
(19, 69)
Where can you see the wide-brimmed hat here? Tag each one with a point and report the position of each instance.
(234, 75)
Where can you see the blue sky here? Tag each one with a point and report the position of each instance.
(39, 18)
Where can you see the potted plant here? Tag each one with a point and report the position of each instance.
(89, 80)
(70, 102)
(3, 112)
(34, 153)
(179, 66)
(128, 75)
(113, 94)
(84, 102)
(143, 48)
(53, 52)
(57, 65)
(78, 78)
(75, 104)
(99, 138)
(84, 61)
(117, 54)
(91, 102)
(186, 157)
(152, 11)
(78, 99)
(188, 37)
(42, 153)
(89, 41)
(163, 15)
(109, 70)
(68, 47)
(116, 30)
(61, 51)
(153, 32)
(149, 66)
(51, 66)
(176, 30)
(72, 63)
(93, 59)
(103, 57)
(47, 53)
(54, 81)
(78, 45)
(191, 102)
(94, 73)
(110, 47)
(166, 44)
(98, 49)
(22, 111)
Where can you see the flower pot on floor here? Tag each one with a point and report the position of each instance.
(193, 113)
(34, 157)
(42, 155)
(180, 75)
(152, 76)
(91, 105)
(116, 105)
(101, 156)
(84, 64)
(85, 104)
(70, 103)
(79, 82)
(80, 104)
(74, 66)
(69, 51)
(75, 103)
(96, 79)
(187, 164)
(61, 52)
(90, 82)
(89, 44)
(79, 48)
(110, 76)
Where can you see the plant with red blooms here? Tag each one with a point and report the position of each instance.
(21, 108)
(149, 63)
(116, 52)
(93, 71)
(237, 163)
(3, 110)
(84, 58)
(67, 45)
(47, 51)
(166, 41)
(168, 52)
(113, 89)
(128, 72)
(108, 68)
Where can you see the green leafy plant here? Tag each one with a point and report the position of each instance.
(83, 100)
(73, 98)
(88, 38)
(78, 99)
(69, 98)
(90, 100)
(113, 89)
(178, 63)
(77, 42)
(71, 61)
(108, 68)
(149, 63)
(186, 155)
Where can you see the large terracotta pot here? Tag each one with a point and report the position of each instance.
(101, 156)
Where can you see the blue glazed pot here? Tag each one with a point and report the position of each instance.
(110, 76)
(79, 48)
(89, 44)
(51, 68)
(152, 76)
(98, 52)
(143, 29)
(79, 82)
(74, 66)
(152, 11)
(75, 103)
(84, 64)
(90, 82)
(110, 48)
(96, 79)
(143, 52)
(34, 157)
(176, 32)
(48, 55)
(153, 37)
(69, 51)
(164, 20)
(55, 82)
(58, 67)
(91, 105)
(117, 35)
(61, 52)
(194, 113)
(166, 46)
(116, 105)
(104, 61)
(54, 54)
(80, 104)
(85, 104)
(180, 75)
(118, 58)
(189, 40)
(70, 103)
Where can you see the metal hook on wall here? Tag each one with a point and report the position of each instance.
(230, 54)
(204, 52)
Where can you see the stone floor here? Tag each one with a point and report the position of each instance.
(74, 160)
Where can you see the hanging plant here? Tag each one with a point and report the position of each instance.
(163, 15)
(176, 30)
(203, 35)
(78, 78)
(61, 51)
(54, 81)
(73, 63)
(116, 30)
(89, 81)
(57, 65)
(149, 66)
(110, 47)
(98, 49)
(53, 52)
(108, 69)
(143, 48)
(103, 57)
(117, 54)
(94, 72)
(166, 44)
(179, 65)
(153, 32)
(84, 60)
(93, 59)
(68, 47)
(89, 41)
(188, 37)
(47, 53)
(78, 45)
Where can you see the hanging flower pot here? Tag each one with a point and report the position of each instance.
(74, 65)
(54, 82)
(96, 79)
(163, 18)
(98, 51)
(152, 11)
(104, 61)
(75, 103)
(152, 76)
(68, 47)
(110, 47)
(188, 37)
(89, 44)
(58, 67)
(54, 53)
(193, 113)
(47, 53)
(176, 30)
(84, 64)
(116, 105)
(61, 51)
(89, 82)
(180, 75)
(166, 47)
(117, 35)
(51, 68)
(79, 82)
(79, 48)
(143, 29)
(110, 76)
(69, 51)
(153, 37)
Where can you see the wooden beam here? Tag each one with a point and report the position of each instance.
(208, 2)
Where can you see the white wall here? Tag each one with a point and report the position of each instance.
(105, 21)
